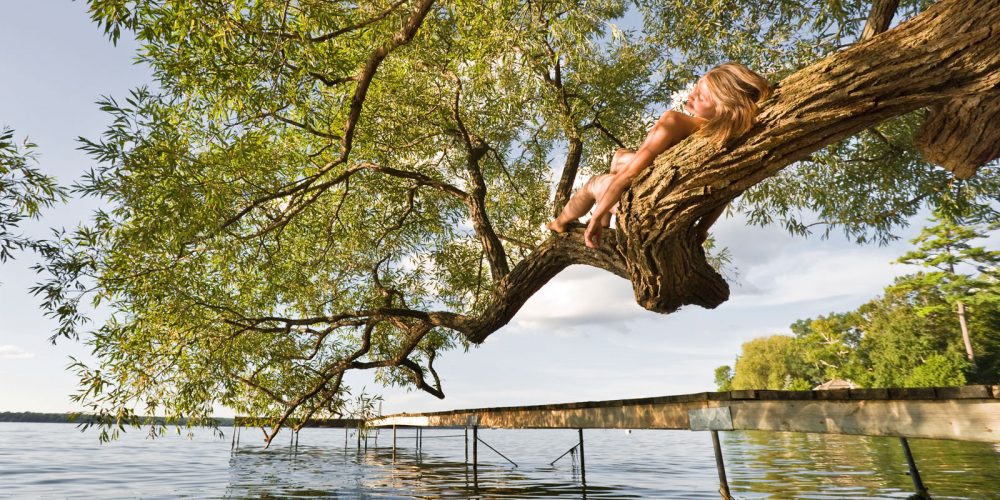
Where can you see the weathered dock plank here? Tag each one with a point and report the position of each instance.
(970, 413)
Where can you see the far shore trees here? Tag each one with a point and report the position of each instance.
(908, 337)
(317, 187)
(945, 248)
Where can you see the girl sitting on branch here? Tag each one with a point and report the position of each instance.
(722, 105)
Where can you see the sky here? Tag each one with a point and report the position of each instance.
(581, 338)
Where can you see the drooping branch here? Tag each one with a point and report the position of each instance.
(948, 51)
(508, 296)
(364, 80)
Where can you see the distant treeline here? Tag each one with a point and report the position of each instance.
(937, 327)
(28, 416)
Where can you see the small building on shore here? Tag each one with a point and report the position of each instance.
(837, 383)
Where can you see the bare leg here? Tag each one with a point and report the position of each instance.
(581, 202)
(578, 205)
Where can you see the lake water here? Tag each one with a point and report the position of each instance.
(58, 461)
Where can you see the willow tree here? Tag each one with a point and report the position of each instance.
(318, 186)
(24, 192)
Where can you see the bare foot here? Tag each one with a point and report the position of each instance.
(556, 226)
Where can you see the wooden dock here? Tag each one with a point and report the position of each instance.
(968, 413)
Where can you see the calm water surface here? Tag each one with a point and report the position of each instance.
(57, 461)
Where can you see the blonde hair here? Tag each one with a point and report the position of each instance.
(736, 90)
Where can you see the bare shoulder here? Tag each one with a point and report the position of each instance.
(680, 120)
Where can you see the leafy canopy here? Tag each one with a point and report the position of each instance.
(319, 186)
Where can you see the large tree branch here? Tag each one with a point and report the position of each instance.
(947, 51)
(962, 134)
(530, 275)
(508, 296)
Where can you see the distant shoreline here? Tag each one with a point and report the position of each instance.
(66, 418)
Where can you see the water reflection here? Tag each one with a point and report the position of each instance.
(350, 473)
(646, 464)
(783, 464)
(44, 461)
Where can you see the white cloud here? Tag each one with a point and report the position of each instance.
(814, 275)
(13, 351)
(580, 297)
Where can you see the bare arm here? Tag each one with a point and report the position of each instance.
(671, 128)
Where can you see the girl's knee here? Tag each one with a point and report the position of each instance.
(598, 184)
(620, 159)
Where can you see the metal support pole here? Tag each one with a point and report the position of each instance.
(475, 455)
(583, 463)
(721, 466)
(393, 440)
(498, 453)
(466, 444)
(914, 473)
(359, 436)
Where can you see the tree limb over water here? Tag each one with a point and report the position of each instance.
(324, 187)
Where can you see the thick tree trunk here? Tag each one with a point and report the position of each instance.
(949, 51)
(962, 134)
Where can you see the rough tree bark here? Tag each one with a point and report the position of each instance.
(962, 134)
